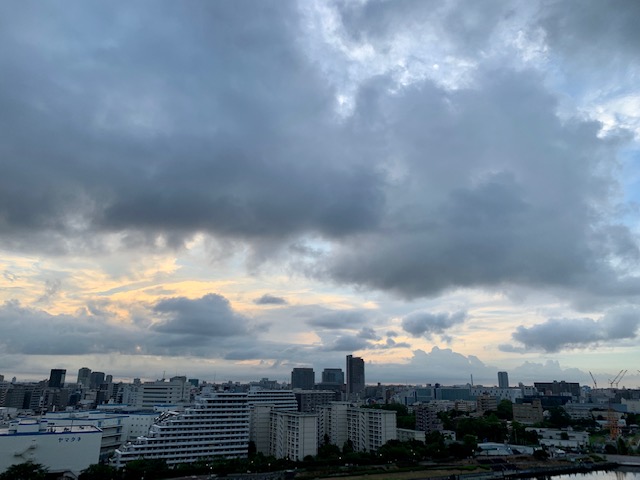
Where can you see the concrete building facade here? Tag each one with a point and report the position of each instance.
(58, 448)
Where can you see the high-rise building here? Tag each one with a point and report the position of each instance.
(333, 375)
(84, 377)
(355, 377)
(95, 380)
(56, 378)
(503, 380)
(304, 378)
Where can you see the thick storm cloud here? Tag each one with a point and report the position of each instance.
(255, 151)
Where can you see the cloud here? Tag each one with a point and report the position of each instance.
(78, 334)
(349, 343)
(548, 370)
(425, 323)
(209, 316)
(143, 153)
(268, 299)
(338, 320)
(52, 287)
(438, 365)
(558, 334)
(174, 326)
(368, 333)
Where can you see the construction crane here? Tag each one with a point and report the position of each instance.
(619, 378)
(595, 384)
(612, 420)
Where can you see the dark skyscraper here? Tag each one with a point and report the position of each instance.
(84, 377)
(304, 378)
(56, 378)
(503, 380)
(333, 375)
(96, 379)
(355, 377)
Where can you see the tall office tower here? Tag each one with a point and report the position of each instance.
(304, 378)
(333, 375)
(503, 380)
(96, 379)
(355, 377)
(56, 378)
(84, 377)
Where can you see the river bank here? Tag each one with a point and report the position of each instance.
(498, 469)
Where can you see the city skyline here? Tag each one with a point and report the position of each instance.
(233, 190)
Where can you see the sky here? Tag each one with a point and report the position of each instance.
(229, 190)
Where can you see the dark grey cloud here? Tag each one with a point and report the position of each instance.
(339, 320)
(349, 343)
(426, 323)
(206, 136)
(213, 119)
(558, 334)
(592, 31)
(487, 215)
(368, 333)
(268, 299)
(209, 316)
(391, 343)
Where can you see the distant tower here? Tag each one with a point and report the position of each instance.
(333, 375)
(304, 378)
(503, 380)
(355, 377)
(56, 378)
(84, 377)
(96, 379)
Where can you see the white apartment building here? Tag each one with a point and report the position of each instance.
(510, 394)
(280, 399)
(552, 437)
(332, 422)
(370, 428)
(148, 394)
(294, 435)
(367, 428)
(284, 434)
(217, 426)
(58, 448)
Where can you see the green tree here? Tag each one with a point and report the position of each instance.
(347, 447)
(505, 410)
(328, 450)
(99, 472)
(558, 418)
(25, 471)
(149, 469)
(623, 448)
